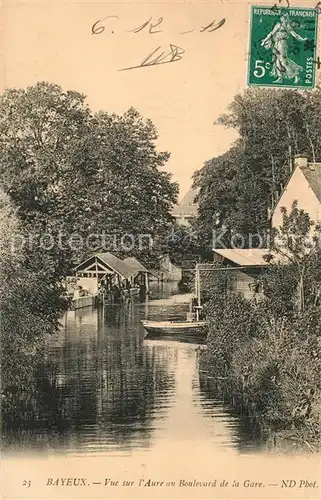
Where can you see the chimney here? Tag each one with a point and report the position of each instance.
(301, 160)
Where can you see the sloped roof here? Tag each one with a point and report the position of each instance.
(117, 264)
(113, 262)
(187, 207)
(135, 264)
(313, 175)
(245, 256)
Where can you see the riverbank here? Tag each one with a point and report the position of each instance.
(271, 375)
(184, 298)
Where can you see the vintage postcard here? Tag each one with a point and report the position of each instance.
(160, 249)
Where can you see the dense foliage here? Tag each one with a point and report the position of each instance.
(30, 307)
(70, 172)
(268, 352)
(239, 188)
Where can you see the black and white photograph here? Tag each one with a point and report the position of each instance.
(160, 249)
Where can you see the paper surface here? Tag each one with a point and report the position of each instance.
(180, 64)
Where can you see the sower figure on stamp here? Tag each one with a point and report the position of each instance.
(277, 40)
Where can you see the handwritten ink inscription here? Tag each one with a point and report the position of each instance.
(157, 57)
(152, 26)
(98, 28)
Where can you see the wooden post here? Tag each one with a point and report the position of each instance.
(146, 307)
(121, 289)
(96, 266)
(147, 283)
(197, 291)
(198, 285)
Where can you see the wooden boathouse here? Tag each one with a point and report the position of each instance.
(112, 278)
(245, 267)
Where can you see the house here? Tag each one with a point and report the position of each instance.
(304, 186)
(186, 210)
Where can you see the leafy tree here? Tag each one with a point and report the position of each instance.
(70, 171)
(30, 306)
(135, 197)
(217, 196)
(181, 245)
(297, 241)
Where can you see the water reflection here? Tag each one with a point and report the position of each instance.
(103, 388)
(250, 438)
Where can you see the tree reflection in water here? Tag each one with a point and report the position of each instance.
(102, 388)
(98, 388)
(249, 435)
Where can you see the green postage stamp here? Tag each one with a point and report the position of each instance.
(283, 47)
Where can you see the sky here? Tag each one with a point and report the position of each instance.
(53, 41)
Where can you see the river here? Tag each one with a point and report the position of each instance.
(104, 389)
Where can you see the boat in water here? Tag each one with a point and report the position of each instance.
(193, 326)
(172, 328)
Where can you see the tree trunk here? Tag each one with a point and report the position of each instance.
(301, 294)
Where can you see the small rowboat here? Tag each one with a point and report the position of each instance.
(160, 328)
(194, 328)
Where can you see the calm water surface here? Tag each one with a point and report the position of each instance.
(104, 389)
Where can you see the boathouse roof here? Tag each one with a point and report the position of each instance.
(246, 257)
(135, 264)
(111, 262)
